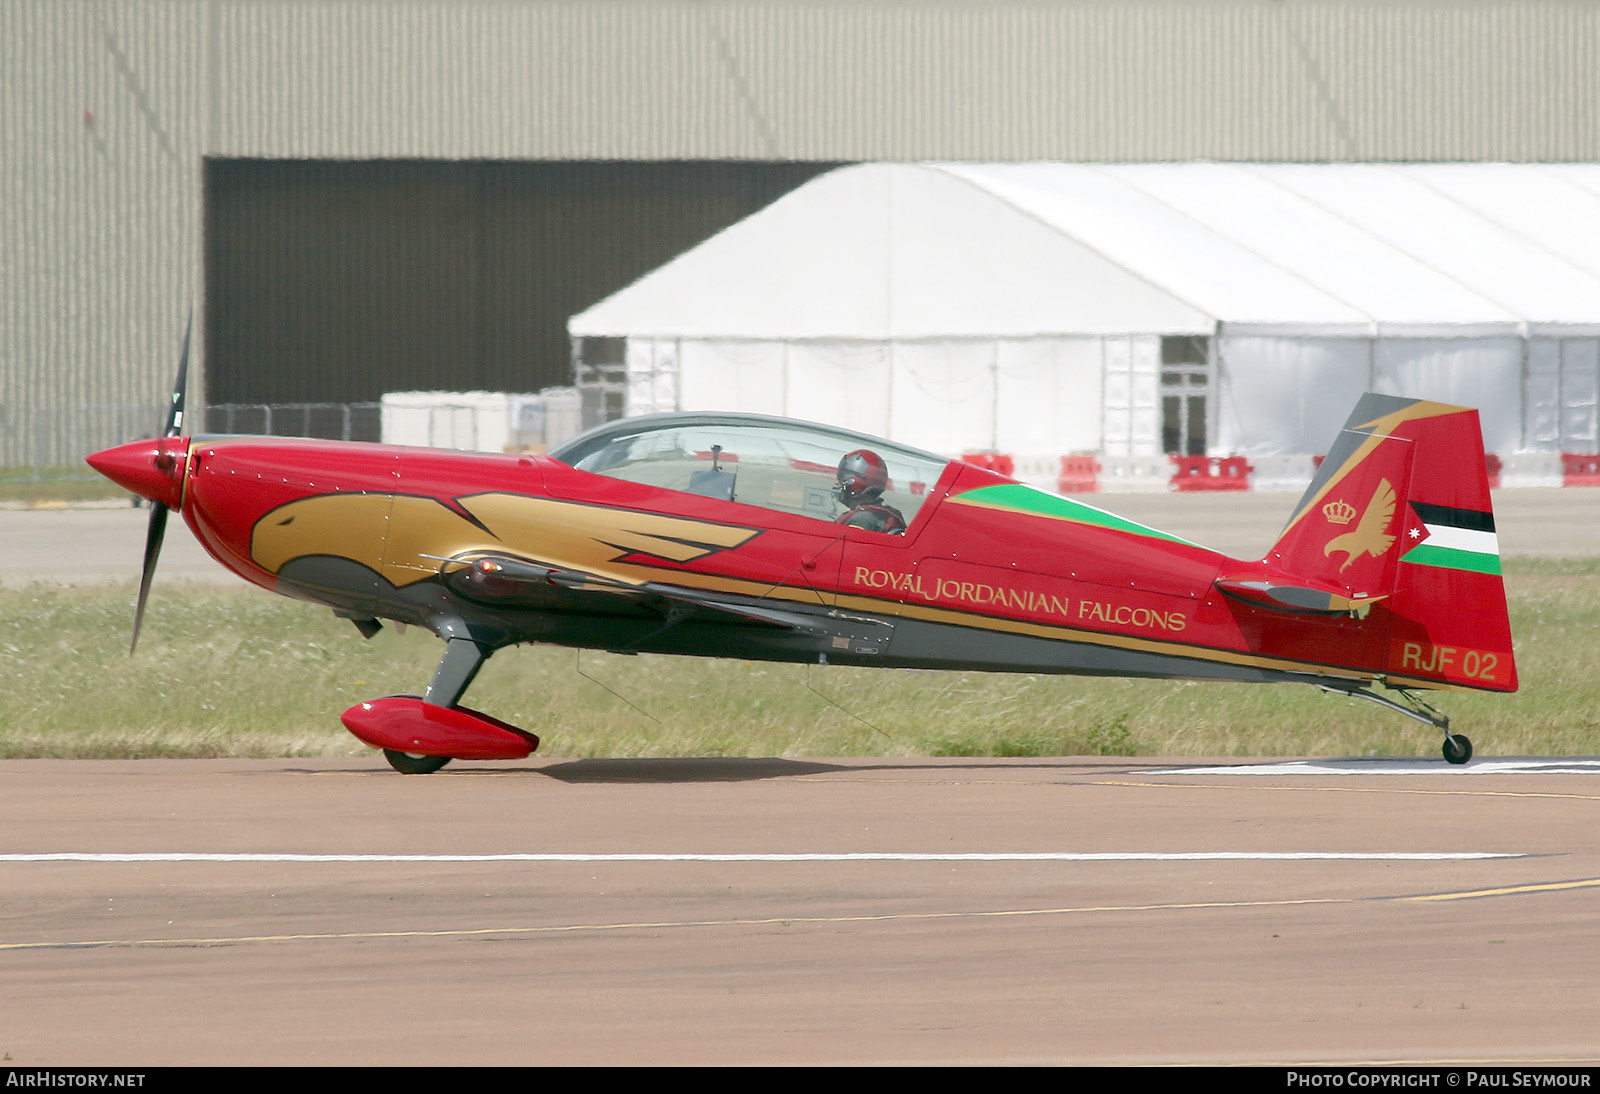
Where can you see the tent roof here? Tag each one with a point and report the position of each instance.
(909, 251)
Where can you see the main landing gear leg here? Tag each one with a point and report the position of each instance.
(457, 668)
(1457, 748)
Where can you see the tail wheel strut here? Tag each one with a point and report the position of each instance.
(1457, 748)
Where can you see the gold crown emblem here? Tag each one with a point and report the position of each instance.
(1339, 512)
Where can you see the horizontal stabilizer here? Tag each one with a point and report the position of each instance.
(1288, 595)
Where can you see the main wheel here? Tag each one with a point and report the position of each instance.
(408, 763)
(1457, 749)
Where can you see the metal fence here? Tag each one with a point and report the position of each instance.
(333, 421)
(58, 438)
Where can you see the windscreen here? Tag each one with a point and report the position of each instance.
(787, 466)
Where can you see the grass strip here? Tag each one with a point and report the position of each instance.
(224, 672)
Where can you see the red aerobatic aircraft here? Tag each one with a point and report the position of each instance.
(731, 535)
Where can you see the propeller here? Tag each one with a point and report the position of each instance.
(164, 461)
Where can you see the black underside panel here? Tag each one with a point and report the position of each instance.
(942, 645)
(606, 621)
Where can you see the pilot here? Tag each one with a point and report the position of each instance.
(862, 479)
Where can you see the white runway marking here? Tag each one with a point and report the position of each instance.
(856, 856)
(1366, 765)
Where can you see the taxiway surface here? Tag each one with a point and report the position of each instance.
(772, 911)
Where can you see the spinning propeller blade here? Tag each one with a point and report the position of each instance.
(158, 510)
(174, 424)
(152, 551)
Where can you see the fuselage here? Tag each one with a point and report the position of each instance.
(989, 575)
(729, 536)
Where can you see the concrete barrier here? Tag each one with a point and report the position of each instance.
(1519, 469)
(998, 462)
(1078, 475)
(1210, 474)
(1287, 474)
(1135, 474)
(1579, 469)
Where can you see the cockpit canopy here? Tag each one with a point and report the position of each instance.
(775, 463)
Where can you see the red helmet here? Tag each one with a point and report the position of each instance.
(863, 476)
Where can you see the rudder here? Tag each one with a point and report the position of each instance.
(1399, 520)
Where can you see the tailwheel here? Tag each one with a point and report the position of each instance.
(1457, 749)
(410, 763)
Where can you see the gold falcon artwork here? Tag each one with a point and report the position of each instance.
(1369, 537)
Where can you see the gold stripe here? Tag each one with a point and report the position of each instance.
(1383, 429)
(882, 606)
(183, 480)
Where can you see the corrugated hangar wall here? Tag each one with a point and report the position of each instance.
(338, 281)
(111, 110)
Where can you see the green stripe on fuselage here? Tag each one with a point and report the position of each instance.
(1028, 499)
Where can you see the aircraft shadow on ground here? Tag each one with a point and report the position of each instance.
(740, 769)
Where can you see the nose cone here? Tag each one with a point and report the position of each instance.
(152, 469)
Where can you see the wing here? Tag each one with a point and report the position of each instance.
(516, 583)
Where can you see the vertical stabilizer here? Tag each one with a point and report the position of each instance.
(1399, 520)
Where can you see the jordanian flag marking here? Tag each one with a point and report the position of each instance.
(1457, 539)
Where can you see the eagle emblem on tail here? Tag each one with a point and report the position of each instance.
(1369, 536)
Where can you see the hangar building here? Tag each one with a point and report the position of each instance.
(358, 195)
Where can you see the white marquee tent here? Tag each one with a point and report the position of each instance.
(1025, 308)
